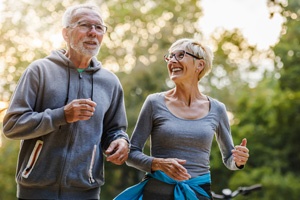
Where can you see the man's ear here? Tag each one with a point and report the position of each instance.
(65, 34)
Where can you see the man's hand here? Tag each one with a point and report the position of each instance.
(79, 109)
(117, 152)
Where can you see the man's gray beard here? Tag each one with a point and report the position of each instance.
(80, 48)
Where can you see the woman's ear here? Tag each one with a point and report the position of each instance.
(201, 64)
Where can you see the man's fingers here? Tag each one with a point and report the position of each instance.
(87, 102)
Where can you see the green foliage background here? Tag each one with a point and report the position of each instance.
(266, 112)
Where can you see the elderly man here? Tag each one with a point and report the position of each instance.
(68, 111)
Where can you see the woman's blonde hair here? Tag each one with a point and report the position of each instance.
(199, 50)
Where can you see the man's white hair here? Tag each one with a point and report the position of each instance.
(67, 17)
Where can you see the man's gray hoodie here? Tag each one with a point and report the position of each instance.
(60, 160)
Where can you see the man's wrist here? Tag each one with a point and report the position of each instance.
(127, 140)
(123, 137)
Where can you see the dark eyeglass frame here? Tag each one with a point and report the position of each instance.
(168, 57)
(86, 26)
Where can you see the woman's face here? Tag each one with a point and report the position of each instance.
(182, 65)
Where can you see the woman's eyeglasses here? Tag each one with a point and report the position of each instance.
(179, 54)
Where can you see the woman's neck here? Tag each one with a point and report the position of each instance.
(186, 95)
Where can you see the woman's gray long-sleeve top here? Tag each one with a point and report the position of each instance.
(173, 137)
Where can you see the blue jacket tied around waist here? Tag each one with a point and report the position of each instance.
(183, 189)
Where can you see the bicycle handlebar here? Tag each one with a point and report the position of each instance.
(228, 194)
(247, 190)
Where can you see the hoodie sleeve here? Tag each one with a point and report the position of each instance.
(22, 121)
(115, 121)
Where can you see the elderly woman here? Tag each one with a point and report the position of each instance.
(182, 123)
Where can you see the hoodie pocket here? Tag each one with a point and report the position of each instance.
(91, 179)
(33, 158)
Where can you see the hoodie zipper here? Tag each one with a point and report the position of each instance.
(72, 136)
(69, 143)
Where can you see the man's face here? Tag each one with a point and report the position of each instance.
(83, 36)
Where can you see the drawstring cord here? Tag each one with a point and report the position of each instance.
(68, 89)
(92, 95)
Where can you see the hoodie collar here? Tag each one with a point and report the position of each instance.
(58, 56)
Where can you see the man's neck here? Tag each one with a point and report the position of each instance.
(80, 61)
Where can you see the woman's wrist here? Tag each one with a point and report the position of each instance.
(156, 164)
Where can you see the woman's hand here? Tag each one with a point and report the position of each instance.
(172, 167)
(241, 153)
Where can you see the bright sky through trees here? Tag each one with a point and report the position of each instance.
(250, 16)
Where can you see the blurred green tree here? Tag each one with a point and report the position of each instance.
(8, 162)
(287, 53)
(268, 115)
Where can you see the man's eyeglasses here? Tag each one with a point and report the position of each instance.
(85, 26)
(179, 54)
